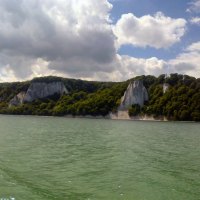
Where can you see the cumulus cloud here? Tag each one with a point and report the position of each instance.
(71, 36)
(188, 61)
(158, 31)
(76, 39)
(7, 75)
(194, 6)
(195, 20)
(138, 66)
(194, 47)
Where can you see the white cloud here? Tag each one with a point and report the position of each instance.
(194, 47)
(194, 6)
(158, 31)
(187, 62)
(7, 74)
(71, 36)
(138, 66)
(74, 38)
(195, 20)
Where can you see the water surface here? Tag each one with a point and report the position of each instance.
(44, 158)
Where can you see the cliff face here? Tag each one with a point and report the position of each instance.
(18, 99)
(136, 93)
(39, 90)
(165, 87)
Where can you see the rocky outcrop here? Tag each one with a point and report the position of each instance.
(39, 90)
(136, 93)
(18, 99)
(165, 87)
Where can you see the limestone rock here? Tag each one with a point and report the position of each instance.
(40, 90)
(18, 99)
(165, 87)
(136, 93)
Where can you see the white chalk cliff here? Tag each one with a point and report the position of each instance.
(39, 90)
(165, 87)
(136, 93)
(18, 99)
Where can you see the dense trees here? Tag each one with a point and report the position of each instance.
(180, 102)
(100, 102)
(134, 110)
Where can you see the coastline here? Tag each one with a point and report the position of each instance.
(107, 117)
(120, 115)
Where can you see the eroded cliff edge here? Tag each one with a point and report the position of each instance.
(175, 97)
(136, 93)
(39, 90)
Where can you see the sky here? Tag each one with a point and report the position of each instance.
(104, 40)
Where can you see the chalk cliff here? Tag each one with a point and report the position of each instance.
(165, 87)
(18, 99)
(136, 93)
(39, 90)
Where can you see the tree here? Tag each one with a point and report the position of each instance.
(134, 110)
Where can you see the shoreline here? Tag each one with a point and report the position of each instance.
(107, 117)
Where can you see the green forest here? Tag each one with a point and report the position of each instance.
(180, 102)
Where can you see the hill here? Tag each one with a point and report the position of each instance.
(180, 101)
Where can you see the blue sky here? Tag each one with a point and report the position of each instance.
(173, 9)
(105, 40)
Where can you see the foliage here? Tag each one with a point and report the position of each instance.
(180, 102)
(134, 110)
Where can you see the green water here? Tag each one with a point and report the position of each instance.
(58, 158)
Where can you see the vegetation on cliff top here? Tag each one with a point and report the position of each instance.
(180, 102)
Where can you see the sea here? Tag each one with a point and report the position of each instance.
(58, 158)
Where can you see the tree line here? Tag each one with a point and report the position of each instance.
(180, 102)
